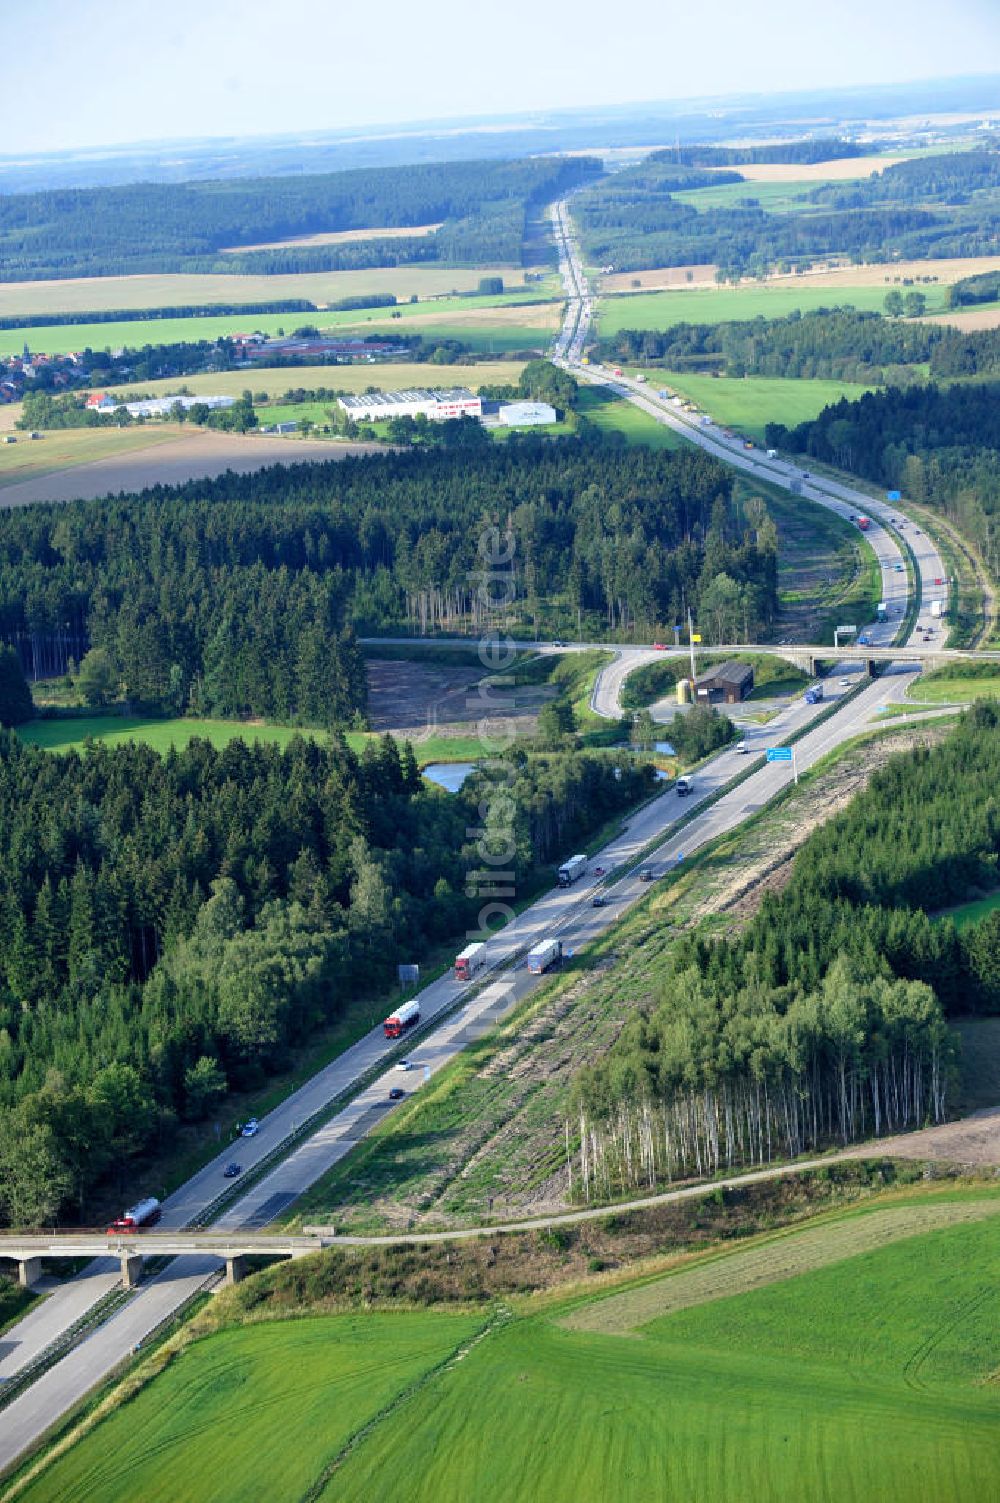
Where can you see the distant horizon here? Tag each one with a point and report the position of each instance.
(88, 79)
(487, 123)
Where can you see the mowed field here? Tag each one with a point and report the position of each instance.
(661, 310)
(336, 237)
(100, 294)
(748, 402)
(850, 1358)
(943, 271)
(79, 465)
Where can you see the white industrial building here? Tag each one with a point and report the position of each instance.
(526, 414)
(376, 406)
(164, 406)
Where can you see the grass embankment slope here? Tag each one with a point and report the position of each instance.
(849, 1358)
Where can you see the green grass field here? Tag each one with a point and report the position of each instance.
(254, 1413)
(661, 310)
(748, 402)
(600, 406)
(112, 730)
(967, 914)
(775, 198)
(953, 687)
(778, 1394)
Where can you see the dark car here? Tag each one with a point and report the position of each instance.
(232, 1170)
(599, 902)
(396, 1093)
(647, 875)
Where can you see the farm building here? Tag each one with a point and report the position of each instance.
(376, 406)
(526, 414)
(728, 683)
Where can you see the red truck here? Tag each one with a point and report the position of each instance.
(864, 523)
(469, 961)
(403, 1018)
(145, 1213)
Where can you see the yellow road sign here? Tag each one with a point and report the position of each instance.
(696, 637)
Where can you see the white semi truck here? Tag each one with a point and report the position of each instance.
(544, 955)
(571, 870)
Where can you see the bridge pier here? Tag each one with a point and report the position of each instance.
(236, 1270)
(29, 1271)
(131, 1269)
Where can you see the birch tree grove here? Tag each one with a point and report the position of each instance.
(823, 1021)
(707, 1084)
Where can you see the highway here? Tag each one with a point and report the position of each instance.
(835, 495)
(569, 914)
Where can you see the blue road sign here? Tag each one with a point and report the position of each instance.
(680, 857)
(779, 754)
(894, 495)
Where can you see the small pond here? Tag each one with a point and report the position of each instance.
(449, 775)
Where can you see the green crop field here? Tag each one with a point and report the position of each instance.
(254, 1413)
(848, 1358)
(863, 1380)
(445, 318)
(748, 402)
(661, 310)
(775, 198)
(603, 408)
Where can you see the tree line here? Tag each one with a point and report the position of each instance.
(241, 594)
(838, 343)
(825, 1019)
(171, 927)
(804, 152)
(940, 445)
(168, 227)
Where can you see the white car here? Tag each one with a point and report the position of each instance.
(250, 1129)
(403, 1064)
(845, 683)
(741, 749)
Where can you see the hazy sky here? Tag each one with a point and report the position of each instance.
(88, 72)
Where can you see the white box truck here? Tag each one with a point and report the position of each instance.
(937, 609)
(469, 961)
(544, 955)
(571, 870)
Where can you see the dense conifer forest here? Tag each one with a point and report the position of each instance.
(241, 595)
(825, 1020)
(171, 927)
(941, 445)
(172, 227)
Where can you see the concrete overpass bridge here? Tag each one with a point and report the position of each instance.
(29, 1250)
(805, 655)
